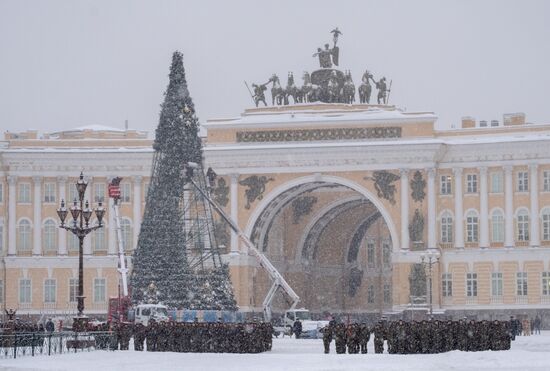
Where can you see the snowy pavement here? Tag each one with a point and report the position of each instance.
(528, 353)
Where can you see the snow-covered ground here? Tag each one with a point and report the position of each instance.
(528, 353)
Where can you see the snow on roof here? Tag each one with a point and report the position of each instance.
(96, 128)
(291, 117)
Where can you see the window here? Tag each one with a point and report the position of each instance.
(25, 291)
(126, 231)
(523, 225)
(99, 192)
(50, 235)
(545, 283)
(471, 284)
(386, 254)
(49, 192)
(73, 195)
(445, 185)
(523, 181)
(99, 290)
(387, 293)
(73, 290)
(24, 194)
(98, 237)
(546, 224)
(447, 228)
(1, 193)
(546, 181)
(497, 182)
(370, 255)
(1, 291)
(370, 294)
(521, 279)
(497, 226)
(471, 227)
(72, 242)
(24, 235)
(49, 291)
(496, 284)
(447, 284)
(125, 192)
(471, 183)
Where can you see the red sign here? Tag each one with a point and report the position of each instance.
(114, 191)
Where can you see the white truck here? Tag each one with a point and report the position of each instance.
(144, 313)
(310, 329)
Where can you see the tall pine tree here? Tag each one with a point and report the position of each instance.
(163, 252)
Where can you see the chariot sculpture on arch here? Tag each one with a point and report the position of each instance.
(326, 84)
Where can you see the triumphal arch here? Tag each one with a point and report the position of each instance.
(336, 195)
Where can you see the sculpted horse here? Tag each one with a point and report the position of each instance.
(277, 92)
(291, 90)
(349, 90)
(365, 89)
(308, 91)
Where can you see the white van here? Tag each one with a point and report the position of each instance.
(146, 312)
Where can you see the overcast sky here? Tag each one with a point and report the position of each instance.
(70, 63)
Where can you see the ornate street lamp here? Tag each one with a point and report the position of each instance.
(80, 226)
(428, 260)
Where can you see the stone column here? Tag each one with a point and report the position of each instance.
(12, 214)
(508, 207)
(37, 216)
(534, 194)
(111, 229)
(405, 244)
(483, 208)
(62, 233)
(137, 210)
(432, 240)
(459, 212)
(87, 247)
(234, 199)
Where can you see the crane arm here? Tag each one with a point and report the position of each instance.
(114, 193)
(277, 278)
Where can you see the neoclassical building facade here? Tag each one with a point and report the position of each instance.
(350, 203)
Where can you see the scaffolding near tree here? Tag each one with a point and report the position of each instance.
(177, 249)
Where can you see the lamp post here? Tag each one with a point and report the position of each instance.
(428, 260)
(80, 227)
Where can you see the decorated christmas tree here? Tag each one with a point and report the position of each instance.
(177, 249)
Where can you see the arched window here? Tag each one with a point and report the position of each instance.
(546, 224)
(24, 235)
(472, 227)
(126, 230)
(49, 235)
(447, 227)
(523, 225)
(497, 226)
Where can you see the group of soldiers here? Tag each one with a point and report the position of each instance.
(196, 337)
(433, 336)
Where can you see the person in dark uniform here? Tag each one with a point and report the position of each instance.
(379, 332)
(297, 328)
(364, 336)
(352, 338)
(327, 336)
(340, 338)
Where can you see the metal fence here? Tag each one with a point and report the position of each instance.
(34, 344)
